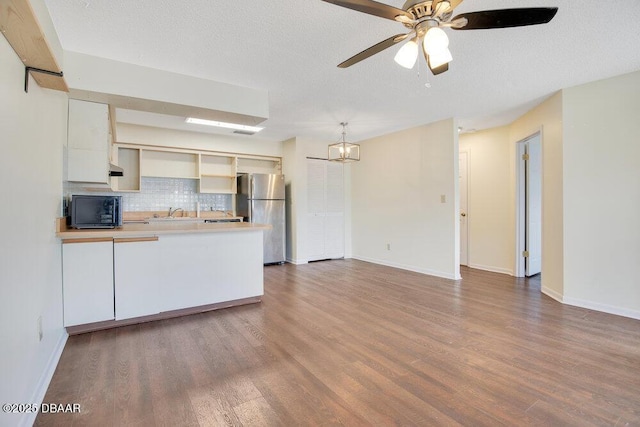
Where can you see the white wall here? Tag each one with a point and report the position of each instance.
(602, 195)
(490, 211)
(591, 192)
(146, 135)
(32, 134)
(396, 199)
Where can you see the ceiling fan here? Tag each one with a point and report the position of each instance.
(426, 19)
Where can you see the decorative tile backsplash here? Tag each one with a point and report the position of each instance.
(157, 194)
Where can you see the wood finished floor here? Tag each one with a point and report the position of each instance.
(352, 343)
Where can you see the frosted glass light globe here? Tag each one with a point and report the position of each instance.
(440, 58)
(435, 41)
(407, 55)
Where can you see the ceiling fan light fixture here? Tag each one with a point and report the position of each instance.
(440, 58)
(425, 17)
(435, 40)
(407, 55)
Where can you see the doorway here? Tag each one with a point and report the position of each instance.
(529, 206)
(463, 165)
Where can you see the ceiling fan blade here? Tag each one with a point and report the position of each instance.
(506, 18)
(455, 24)
(453, 3)
(376, 48)
(373, 8)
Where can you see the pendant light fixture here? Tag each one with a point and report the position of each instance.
(344, 151)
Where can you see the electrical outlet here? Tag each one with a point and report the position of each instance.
(388, 246)
(40, 333)
(443, 198)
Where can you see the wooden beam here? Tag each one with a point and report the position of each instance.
(20, 27)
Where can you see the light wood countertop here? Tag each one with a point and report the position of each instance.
(157, 229)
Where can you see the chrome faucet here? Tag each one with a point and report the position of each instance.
(173, 211)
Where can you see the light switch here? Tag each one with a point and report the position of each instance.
(443, 198)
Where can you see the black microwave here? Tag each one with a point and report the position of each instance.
(96, 211)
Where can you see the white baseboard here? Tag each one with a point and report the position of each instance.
(552, 294)
(590, 305)
(442, 274)
(492, 269)
(43, 383)
(605, 308)
(296, 261)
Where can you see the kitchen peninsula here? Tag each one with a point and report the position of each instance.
(150, 271)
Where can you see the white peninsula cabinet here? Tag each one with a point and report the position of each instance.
(87, 271)
(173, 272)
(212, 268)
(145, 272)
(137, 278)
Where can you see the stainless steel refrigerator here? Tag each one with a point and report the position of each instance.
(260, 199)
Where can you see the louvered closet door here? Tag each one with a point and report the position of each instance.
(325, 206)
(315, 209)
(334, 210)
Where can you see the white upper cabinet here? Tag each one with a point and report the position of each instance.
(88, 142)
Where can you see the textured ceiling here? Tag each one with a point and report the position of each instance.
(291, 49)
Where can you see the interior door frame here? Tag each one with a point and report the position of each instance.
(520, 199)
(466, 155)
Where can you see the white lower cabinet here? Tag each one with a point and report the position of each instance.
(125, 278)
(87, 270)
(137, 277)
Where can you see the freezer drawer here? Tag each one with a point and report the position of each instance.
(271, 212)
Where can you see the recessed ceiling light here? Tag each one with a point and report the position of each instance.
(223, 125)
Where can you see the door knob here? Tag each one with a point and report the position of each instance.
(463, 214)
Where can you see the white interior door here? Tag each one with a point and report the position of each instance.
(533, 229)
(463, 161)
